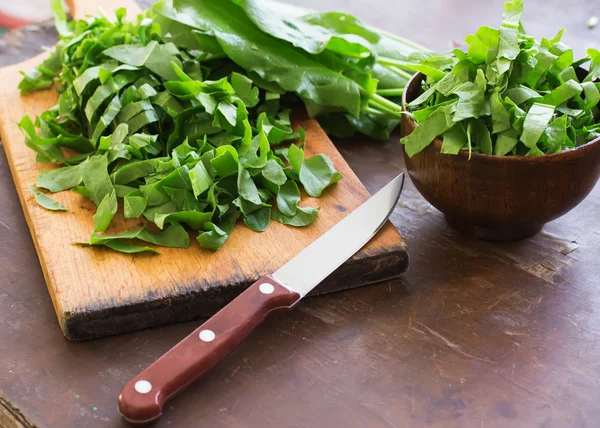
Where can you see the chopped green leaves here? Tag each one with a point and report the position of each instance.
(436, 124)
(318, 173)
(106, 211)
(538, 117)
(303, 217)
(175, 237)
(183, 141)
(60, 179)
(288, 198)
(274, 172)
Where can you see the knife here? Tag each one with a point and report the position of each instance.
(142, 399)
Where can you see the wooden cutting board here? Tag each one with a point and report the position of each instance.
(97, 292)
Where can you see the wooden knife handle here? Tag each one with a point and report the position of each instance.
(142, 399)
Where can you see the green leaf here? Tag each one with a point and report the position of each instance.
(481, 136)
(105, 92)
(89, 75)
(134, 206)
(200, 178)
(194, 219)
(288, 198)
(244, 89)
(508, 45)
(46, 148)
(428, 130)
(562, 94)
(303, 217)
(520, 94)
(483, 44)
(42, 77)
(81, 191)
(113, 108)
(274, 172)
(471, 100)
(46, 201)
(154, 56)
(556, 132)
(95, 178)
(254, 159)
(535, 151)
(501, 119)
(216, 235)
(296, 158)
(139, 169)
(106, 211)
(124, 247)
(60, 18)
(536, 121)
(317, 173)
(247, 207)
(226, 161)
(60, 179)
(247, 46)
(505, 142)
(594, 73)
(258, 220)
(246, 186)
(454, 139)
(592, 95)
(174, 236)
(314, 33)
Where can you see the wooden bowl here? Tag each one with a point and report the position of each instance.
(503, 198)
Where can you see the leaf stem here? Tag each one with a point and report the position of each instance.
(383, 109)
(396, 92)
(400, 66)
(379, 111)
(386, 104)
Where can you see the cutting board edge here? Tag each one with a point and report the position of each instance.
(196, 302)
(21, 189)
(13, 416)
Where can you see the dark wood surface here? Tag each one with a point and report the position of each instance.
(475, 334)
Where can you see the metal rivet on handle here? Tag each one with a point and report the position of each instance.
(143, 386)
(266, 288)
(207, 335)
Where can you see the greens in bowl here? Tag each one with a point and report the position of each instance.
(508, 94)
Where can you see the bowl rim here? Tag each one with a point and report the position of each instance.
(579, 150)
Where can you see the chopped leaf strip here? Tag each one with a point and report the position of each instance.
(46, 201)
(303, 217)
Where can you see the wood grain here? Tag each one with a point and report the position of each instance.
(12, 417)
(97, 292)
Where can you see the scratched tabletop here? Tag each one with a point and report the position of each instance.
(474, 335)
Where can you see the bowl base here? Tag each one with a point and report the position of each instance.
(506, 234)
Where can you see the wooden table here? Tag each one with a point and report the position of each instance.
(475, 334)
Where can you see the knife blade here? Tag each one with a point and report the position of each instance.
(142, 399)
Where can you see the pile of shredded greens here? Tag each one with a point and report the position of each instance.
(183, 116)
(508, 94)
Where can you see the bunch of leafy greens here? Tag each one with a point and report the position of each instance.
(155, 116)
(509, 94)
(332, 61)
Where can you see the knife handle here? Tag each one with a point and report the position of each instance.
(142, 399)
